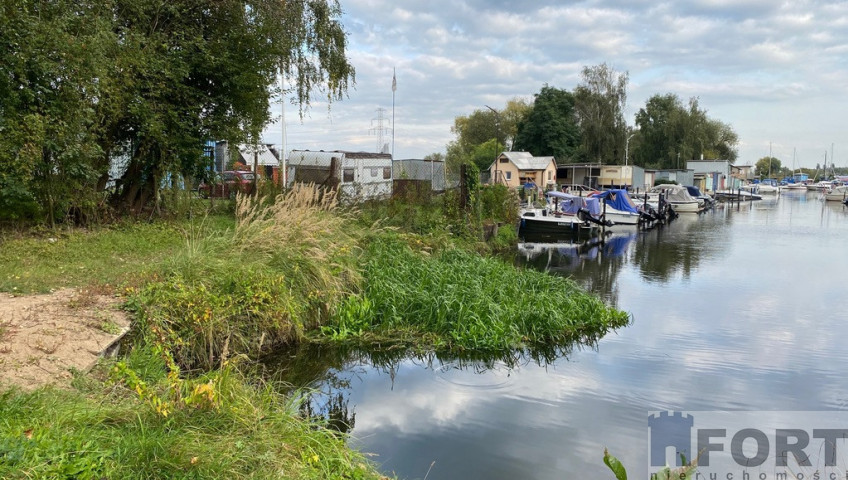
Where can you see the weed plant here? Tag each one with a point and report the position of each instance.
(230, 429)
(457, 300)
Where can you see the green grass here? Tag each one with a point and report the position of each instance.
(457, 300)
(111, 255)
(105, 430)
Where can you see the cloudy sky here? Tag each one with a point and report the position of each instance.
(777, 72)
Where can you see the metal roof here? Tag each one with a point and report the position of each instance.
(526, 161)
(264, 157)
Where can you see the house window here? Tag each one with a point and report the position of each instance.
(387, 172)
(373, 172)
(504, 160)
(509, 175)
(549, 176)
(347, 175)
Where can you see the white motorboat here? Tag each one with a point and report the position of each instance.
(678, 197)
(796, 186)
(838, 194)
(765, 187)
(821, 186)
(563, 214)
(704, 201)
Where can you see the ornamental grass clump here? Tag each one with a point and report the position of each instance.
(280, 271)
(457, 300)
(304, 232)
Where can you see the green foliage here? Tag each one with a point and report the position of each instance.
(121, 253)
(84, 83)
(671, 133)
(686, 472)
(499, 203)
(767, 166)
(49, 81)
(460, 301)
(483, 134)
(506, 237)
(551, 127)
(425, 216)
(235, 309)
(599, 102)
(283, 268)
(615, 465)
(482, 156)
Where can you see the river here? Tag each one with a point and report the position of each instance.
(740, 308)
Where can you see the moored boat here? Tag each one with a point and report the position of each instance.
(621, 209)
(705, 201)
(678, 197)
(838, 194)
(563, 214)
(764, 187)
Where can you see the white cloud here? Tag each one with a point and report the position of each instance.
(453, 57)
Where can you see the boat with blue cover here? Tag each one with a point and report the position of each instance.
(563, 213)
(619, 208)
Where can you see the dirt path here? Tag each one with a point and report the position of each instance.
(44, 337)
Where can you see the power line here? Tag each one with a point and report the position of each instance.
(379, 128)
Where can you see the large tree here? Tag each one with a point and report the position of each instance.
(767, 166)
(671, 133)
(550, 128)
(53, 57)
(484, 133)
(600, 99)
(84, 82)
(193, 70)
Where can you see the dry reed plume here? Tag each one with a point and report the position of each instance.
(306, 228)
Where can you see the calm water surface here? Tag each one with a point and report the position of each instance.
(740, 308)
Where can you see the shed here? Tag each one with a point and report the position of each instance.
(711, 175)
(622, 176)
(681, 176)
(358, 175)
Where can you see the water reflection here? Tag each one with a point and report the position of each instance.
(667, 252)
(678, 249)
(595, 261)
(401, 405)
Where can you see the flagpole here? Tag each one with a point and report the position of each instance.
(394, 88)
(283, 125)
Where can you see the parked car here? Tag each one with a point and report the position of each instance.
(227, 184)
